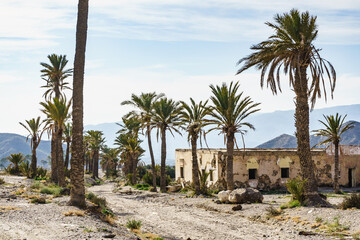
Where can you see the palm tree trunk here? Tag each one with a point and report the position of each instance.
(33, 160)
(60, 159)
(312, 197)
(54, 175)
(152, 159)
(230, 160)
(195, 166)
(96, 164)
(337, 169)
(67, 155)
(77, 193)
(163, 160)
(134, 166)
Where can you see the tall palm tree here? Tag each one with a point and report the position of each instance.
(144, 103)
(165, 117)
(16, 159)
(67, 134)
(334, 127)
(77, 192)
(193, 116)
(96, 141)
(58, 111)
(291, 48)
(54, 74)
(229, 111)
(33, 126)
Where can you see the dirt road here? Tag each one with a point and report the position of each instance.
(175, 217)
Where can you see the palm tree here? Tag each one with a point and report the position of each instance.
(16, 159)
(144, 103)
(334, 127)
(109, 160)
(165, 117)
(96, 141)
(77, 192)
(57, 112)
(229, 111)
(193, 116)
(131, 152)
(67, 134)
(54, 74)
(33, 126)
(129, 143)
(291, 48)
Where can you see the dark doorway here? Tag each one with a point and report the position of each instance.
(252, 173)
(351, 175)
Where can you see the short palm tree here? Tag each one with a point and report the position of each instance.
(16, 159)
(109, 160)
(334, 127)
(67, 134)
(194, 117)
(165, 117)
(54, 74)
(96, 141)
(229, 111)
(58, 112)
(33, 126)
(291, 48)
(129, 144)
(144, 103)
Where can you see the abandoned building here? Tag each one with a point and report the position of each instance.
(270, 168)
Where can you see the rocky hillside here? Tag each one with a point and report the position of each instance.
(351, 137)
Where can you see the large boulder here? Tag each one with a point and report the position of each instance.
(245, 195)
(224, 196)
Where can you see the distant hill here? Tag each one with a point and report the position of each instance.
(268, 126)
(350, 137)
(14, 143)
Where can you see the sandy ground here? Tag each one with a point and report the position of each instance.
(20, 219)
(171, 216)
(174, 216)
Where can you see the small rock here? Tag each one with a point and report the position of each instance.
(237, 208)
(218, 202)
(174, 188)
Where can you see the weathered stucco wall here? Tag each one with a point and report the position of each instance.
(268, 164)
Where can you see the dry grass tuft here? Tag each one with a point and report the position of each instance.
(74, 213)
(109, 219)
(4, 208)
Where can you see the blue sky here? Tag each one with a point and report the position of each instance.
(176, 47)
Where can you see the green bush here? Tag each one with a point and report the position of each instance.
(51, 189)
(36, 185)
(133, 224)
(147, 178)
(296, 187)
(90, 196)
(2, 181)
(351, 202)
(140, 186)
(41, 173)
(291, 204)
(25, 168)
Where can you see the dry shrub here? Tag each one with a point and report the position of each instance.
(351, 202)
(109, 219)
(74, 213)
(272, 212)
(2, 181)
(4, 208)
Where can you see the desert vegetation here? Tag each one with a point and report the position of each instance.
(130, 187)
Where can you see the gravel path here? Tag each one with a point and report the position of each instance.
(175, 217)
(20, 219)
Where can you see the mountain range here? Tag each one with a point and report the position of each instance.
(277, 126)
(350, 137)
